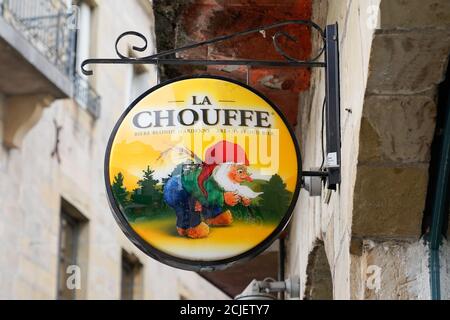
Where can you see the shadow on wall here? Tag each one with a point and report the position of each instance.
(319, 285)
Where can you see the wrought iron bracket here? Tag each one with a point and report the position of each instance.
(329, 48)
(168, 57)
(322, 174)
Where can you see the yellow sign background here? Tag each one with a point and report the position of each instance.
(131, 153)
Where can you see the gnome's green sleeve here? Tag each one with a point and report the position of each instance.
(215, 193)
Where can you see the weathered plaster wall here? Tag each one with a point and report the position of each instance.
(445, 270)
(390, 269)
(32, 184)
(314, 219)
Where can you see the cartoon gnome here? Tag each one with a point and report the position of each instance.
(205, 190)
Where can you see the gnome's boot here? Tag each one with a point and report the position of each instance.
(199, 231)
(182, 232)
(223, 219)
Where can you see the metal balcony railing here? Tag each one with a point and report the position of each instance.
(45, 24)
(51, 28)
(86, 96)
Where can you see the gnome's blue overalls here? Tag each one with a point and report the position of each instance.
(181, 193)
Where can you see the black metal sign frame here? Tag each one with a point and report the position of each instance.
(333, 116)
(329, 48)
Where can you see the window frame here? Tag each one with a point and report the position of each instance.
(75, 225)
(134, 268)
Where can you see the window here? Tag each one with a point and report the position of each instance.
(84, 93)
(71, 223)
(131, 279)
(69, 230)
(140, 82)
(140, 78)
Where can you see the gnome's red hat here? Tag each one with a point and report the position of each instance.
(222, 152)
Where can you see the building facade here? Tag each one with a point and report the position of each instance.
(59, 237)
(381, 235)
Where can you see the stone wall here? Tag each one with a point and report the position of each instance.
(33, 184)
(393, 56)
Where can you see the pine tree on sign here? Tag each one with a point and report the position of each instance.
(275, 199)
(148, 193)
(119, 191)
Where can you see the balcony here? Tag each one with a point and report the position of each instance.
(37, 54)
(86, 96)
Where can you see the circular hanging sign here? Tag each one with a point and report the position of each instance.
(202, 171)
